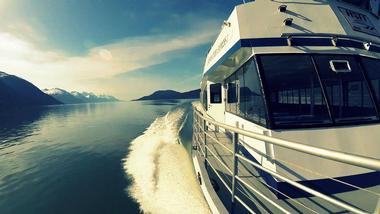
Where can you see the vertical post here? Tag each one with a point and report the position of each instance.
(195, 131)
(205, 138)
(193, 136)
(198, 132)
(269, 148)
(341, 98)
(235, 141)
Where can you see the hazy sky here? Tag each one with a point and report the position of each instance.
(125, 48)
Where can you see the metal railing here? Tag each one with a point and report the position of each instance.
(201, 135)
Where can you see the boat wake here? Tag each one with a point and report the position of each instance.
(161, 169)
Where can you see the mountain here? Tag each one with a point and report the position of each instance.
(171, 95)
(78, 97)
(63, 96)
(15, 91)
(88, 97)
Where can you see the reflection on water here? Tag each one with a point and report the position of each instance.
(15, 123)
(67, 158)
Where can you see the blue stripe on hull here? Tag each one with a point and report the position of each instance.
(296, 41)
(264, 42)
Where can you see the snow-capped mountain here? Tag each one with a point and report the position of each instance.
(63, 96)
(2, 74)
(54, 91)
(78, 97)
(15, 91)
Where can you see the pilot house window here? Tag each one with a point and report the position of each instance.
(232, 98)
(296, 96)
(347, 92)
(372, 67)
(306, 90)
(244, 94)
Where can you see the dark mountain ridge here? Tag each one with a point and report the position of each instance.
(15, 91)
(171, 95)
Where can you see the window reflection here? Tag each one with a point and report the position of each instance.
(244, 94)
(350, 98)
(297, 97)
(297, 87)
(254, 108)
(372, 67)
(232, 98)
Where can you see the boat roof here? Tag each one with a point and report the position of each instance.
(283, 26)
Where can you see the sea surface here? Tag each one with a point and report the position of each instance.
(126, 157)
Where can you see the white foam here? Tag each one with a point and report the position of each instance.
(163, 177)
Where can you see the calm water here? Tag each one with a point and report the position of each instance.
(68, 159)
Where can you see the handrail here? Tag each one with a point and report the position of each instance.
(244, 204)
(352, 159)
(262, 195)
(216, 141)
(328, 35)
(200, 136)
(304, 188)
(220, 161)
(219, 176)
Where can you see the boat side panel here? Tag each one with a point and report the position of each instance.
(216, 206)
(258, 149)
(361, 140)
(227, 38)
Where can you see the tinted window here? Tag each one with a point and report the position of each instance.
(348, 92)
(204, 99)
(244, 96)
(216, 93)
(295, 93)
(232, 98)
(251, 99)
(239, 84)
(372, 67)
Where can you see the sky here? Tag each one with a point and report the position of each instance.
(125, 48)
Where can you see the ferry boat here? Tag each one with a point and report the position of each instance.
(289, 113)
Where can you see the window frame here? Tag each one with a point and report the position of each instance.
(358, 61)
(212, 95)
(266, 96)
(287, 96)
(371, 87)
(237, 93)
(236, 97)
(270, 119)
(204, 99)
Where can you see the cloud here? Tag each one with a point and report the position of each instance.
(22, 56)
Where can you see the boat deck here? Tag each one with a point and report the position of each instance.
(256, 201)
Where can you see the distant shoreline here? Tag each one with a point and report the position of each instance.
(170, 95)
